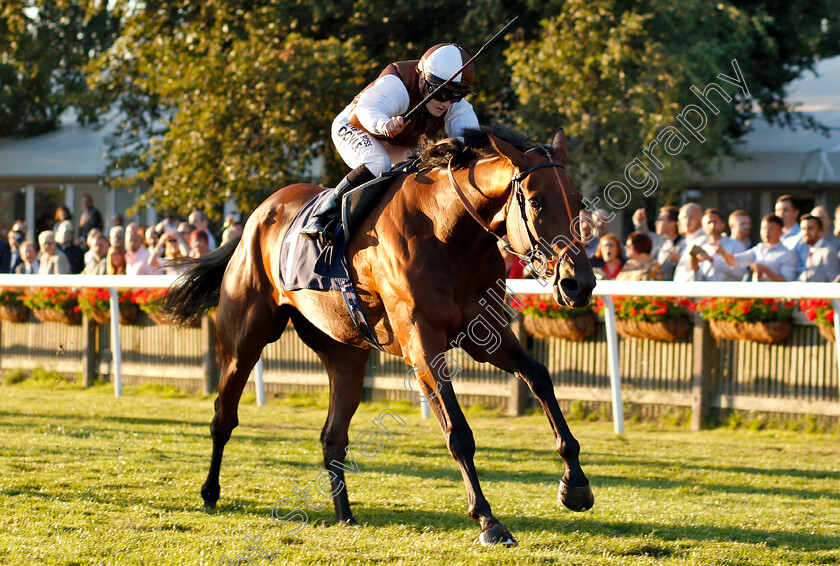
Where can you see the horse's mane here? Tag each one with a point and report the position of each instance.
(476, 145)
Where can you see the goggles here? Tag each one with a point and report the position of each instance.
(444, 95)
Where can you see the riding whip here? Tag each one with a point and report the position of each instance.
(484, 48)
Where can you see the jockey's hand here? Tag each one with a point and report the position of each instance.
(393, 126)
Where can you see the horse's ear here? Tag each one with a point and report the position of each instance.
(506, 150)
(559, 145)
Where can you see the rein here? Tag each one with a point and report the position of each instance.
(518, 192)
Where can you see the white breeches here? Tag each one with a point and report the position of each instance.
(357, 147)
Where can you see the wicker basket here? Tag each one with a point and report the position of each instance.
(128, 314)
(14, 312)
(53, 315)
(663, 331)
(826, 331)
(766, 332)
(164, 320)
(577, 329)
(158, 318)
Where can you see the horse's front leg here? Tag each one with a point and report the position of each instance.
(429, 372)
(509, 355)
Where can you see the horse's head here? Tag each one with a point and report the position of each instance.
(542, 217)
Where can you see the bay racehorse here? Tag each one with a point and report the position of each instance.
(424, 269)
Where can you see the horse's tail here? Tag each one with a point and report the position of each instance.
(198, 288)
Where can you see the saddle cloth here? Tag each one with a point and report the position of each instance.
(308, 264)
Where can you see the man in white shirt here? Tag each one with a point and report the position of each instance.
(136, 254)
(768, 261)
(821, 266)
(370, 132)
(788, 211)
(690, 224)
(708, 265)
(740, 225)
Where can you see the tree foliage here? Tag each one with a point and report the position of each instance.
(617, 72)
(224, 99)
(43, 46)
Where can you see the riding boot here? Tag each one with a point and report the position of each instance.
(320, 226)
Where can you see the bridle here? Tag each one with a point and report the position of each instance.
(535, 255)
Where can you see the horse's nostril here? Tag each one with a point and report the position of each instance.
(570, 287)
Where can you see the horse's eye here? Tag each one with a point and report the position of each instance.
(535, 203)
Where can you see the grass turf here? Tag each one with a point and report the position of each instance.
(86, 478)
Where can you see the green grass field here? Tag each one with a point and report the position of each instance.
(86, 478)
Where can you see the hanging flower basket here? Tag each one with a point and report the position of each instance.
(664, 319)
(55, 315)
(53, 304)
(14, 312)
(754, 320)
(827, 332)
(128, 314)
(669, 330)
(820, 312)
(766, 332)
(543, 318)
(163, 320)
(158, 318)
(11, 307)
(96, 305)
(576, 329)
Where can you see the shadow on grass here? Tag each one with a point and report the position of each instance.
(610, 459)
(533, 528)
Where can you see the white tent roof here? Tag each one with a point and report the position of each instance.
(780, 155)
(71, 153)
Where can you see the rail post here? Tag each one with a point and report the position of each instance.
(116, 347)
(518, 398)
(703, 382)
(90, 351)
(613, 363)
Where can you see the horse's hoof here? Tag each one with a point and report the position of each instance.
(351, 522)
(497, 534)
(576, 498)
(210, 496)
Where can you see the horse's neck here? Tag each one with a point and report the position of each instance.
(484, 185)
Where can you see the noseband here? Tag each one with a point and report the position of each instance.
(535, 254)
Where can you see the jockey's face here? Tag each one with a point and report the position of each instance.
(437, 108)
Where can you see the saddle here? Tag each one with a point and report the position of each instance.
(357, 203)
(308, 264)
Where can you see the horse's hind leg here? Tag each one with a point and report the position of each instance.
(346, 368)
(241, 339)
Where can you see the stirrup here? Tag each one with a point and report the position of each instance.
(323, 234)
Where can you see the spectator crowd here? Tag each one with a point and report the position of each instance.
(687, 244)
(692, 244)
(133, 249)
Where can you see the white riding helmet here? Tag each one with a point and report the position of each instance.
(442, 61)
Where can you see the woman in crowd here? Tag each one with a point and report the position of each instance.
(62, 213)
(609, 258)
(116, 261)
(640, 266)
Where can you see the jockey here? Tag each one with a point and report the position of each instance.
(370, 133)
